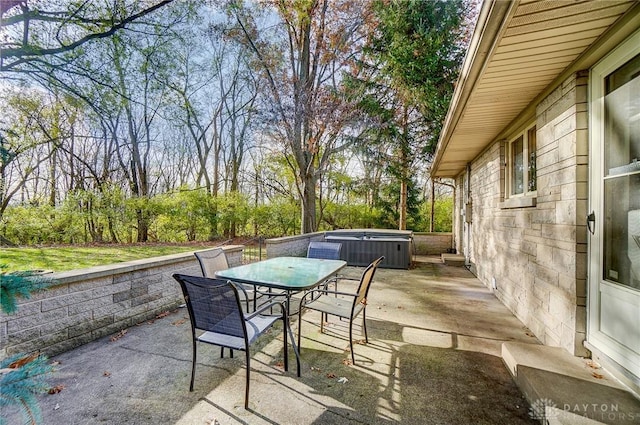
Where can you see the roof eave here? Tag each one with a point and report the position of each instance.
(492, 20)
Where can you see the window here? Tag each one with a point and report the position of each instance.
(521, 164)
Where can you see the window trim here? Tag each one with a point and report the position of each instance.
(526, 198)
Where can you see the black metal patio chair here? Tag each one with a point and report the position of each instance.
(215, 309)
(347, 305)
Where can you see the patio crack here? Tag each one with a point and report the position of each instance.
(149, 353)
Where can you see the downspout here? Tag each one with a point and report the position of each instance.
(467, 217)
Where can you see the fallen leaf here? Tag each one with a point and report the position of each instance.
(23, 361)
(400, 307)
(361, 342)
(163, 314)
(346, 362)
(106, 373)
(119, 335)
(178, 322)
(597, 375)
(280, 364)
(331, 375)
(316, 369)
(593, 364)
(56, 389)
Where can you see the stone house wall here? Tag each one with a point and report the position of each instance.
(535, 258)
(91, 303)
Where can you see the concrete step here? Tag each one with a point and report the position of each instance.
(453, 259)
(566, 390)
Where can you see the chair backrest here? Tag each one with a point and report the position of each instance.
(324, 250)
(365, 282)
(212, 261)
(213, 304)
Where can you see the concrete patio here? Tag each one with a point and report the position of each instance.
(433, 357)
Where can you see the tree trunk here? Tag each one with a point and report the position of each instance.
(308, 222)
(402, 220)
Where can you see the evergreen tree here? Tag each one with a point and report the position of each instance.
(22, 376)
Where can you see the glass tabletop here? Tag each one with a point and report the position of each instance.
(290, 273)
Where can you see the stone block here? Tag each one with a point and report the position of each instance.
(145, 299)
(90, 325)
(65, 300)
(85, 285)
(110, 289)
(546, 160)
(112, 309)
(51, 292)
(35, 320)
(567, 283)
(130, 276)
(20, 337)
(110, 330)
(546, 274)
(66, 345)
(90, 305)
(564, 261)
(565, 212)
(544, 254)
(561, 308)
(24, 310)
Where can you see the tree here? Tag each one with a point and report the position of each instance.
(22, 376)
(412, 57)
(37, 38)
(301, 60)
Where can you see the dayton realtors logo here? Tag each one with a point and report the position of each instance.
(545, 408)
(538, 409)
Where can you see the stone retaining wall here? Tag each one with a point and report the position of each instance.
(296, 246)
(432, 243)
(91, 303)
(291, 246)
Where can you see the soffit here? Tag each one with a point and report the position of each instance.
(533, 44)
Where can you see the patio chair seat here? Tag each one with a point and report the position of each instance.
(339, 305)
(255, 327)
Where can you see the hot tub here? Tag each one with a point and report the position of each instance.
(361, 247)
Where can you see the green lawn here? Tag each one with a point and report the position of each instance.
(59, 259)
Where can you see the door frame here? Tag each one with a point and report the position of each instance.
(612, 349)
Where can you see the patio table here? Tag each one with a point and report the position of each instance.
(290, 274)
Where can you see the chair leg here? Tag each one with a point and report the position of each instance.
(299, 329)
(364, 325)
(246, 391)
(222, 352)
(353, 356)
(193, 366)
(285, 326)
